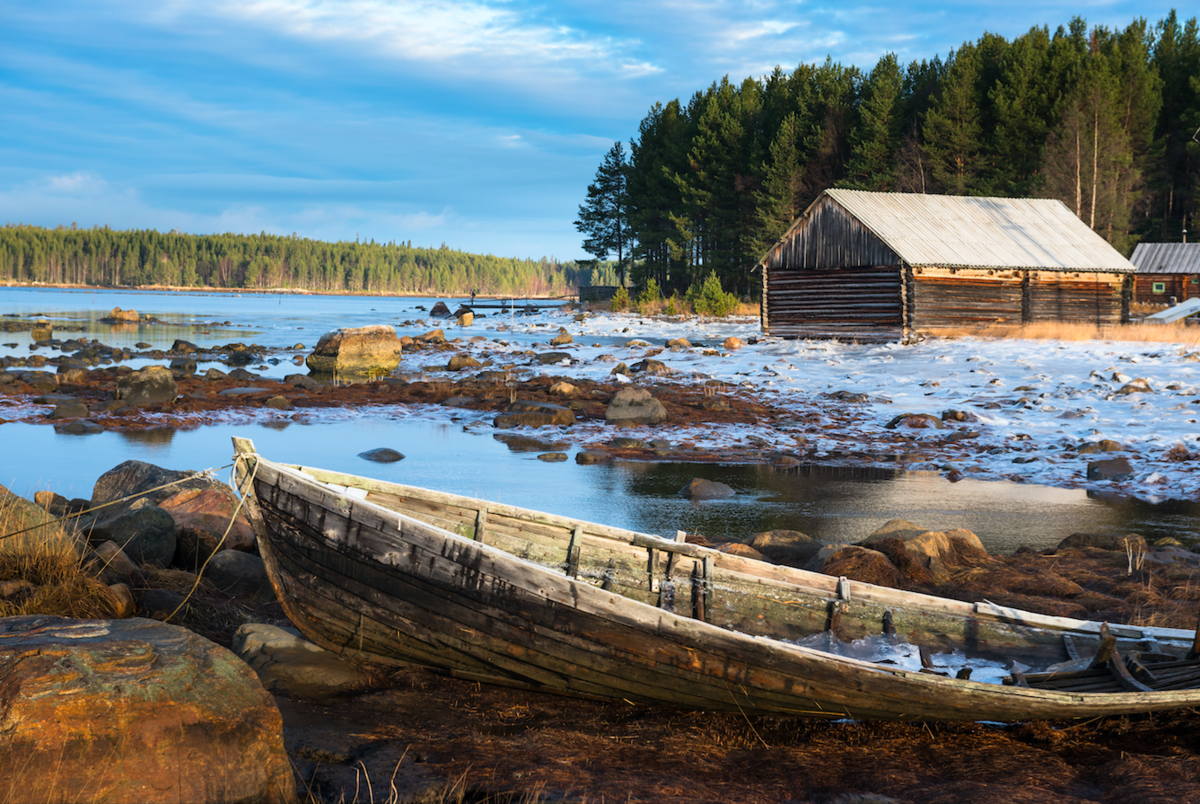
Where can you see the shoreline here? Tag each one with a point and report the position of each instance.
(273, 291)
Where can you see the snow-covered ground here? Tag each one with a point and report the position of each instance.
(1033, 404)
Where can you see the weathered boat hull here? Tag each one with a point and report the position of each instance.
(573, 613)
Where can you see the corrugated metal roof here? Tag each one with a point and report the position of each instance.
(966, 232)
(1166, 258)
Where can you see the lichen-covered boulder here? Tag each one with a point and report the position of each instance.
(356, 350)
(134, 711)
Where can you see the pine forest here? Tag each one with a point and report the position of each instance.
(105, 257)
(1104, 120)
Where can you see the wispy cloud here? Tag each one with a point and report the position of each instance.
(442, 32)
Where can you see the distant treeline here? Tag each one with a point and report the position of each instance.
(134, 258)
(1100, 119)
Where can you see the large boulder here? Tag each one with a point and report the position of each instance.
(153, 385)
(239, 574)
(534, 414)
(119, 316)
(136, 477)
(202, 518)
(146, 533)
(356, 350)
(134, 711)
(635, 405)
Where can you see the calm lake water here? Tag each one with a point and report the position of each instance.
(830, 504)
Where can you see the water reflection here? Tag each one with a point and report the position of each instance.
(829, 504)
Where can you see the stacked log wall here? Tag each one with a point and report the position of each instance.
(1181, 286)
(863, 304)
(1077, 297)
(965, 297)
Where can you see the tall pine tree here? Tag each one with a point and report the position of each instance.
(604, 216)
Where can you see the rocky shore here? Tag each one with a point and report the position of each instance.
(183, 628)
(175, 657)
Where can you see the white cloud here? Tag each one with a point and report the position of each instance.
(443, 32)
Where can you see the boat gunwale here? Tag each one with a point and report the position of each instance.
(665, 623)
(753, 568)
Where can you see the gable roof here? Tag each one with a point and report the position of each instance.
(1166, 258)
(969, 232)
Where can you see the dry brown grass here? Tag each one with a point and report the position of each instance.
(41, 570)
(1062, 331)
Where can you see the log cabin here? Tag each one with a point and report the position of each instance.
(872, 267)
(1166, 271)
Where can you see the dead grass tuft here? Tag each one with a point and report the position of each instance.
(54, 584)
(1061, 331)
(869, 566)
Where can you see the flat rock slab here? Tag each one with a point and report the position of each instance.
(242, 391)
(134, 711)
(288, 664)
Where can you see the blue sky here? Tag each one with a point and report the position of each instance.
(478, 124)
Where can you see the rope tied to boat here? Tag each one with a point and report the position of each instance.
(233, 518)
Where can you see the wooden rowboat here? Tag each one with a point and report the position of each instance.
(501, 594)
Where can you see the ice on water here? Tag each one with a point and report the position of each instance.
(896, 652)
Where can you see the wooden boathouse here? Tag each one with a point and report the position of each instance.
(1166, 270)
(872, 266)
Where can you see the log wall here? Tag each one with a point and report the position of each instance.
(1076, 297)
(965, 297)
(1181, 286)
(864, 304)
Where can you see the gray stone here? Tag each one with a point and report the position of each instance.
(916, 421)
(153, 385)
(547, 358)
(461, 362)
(146, 534)
(701, 489)
(635, 405)
(241, 391)
(239, 574)
(184, 365)
(1111, 469)
(552, 457)
(70, 409)
(649, 366)
(79, 427)
(588, 457)
(381, 455)
(301, 381)
(534, 414)
(159, 604)
(288, 664)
